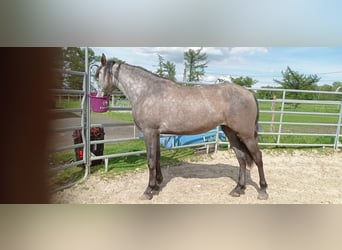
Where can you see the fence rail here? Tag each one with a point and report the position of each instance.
(303, 121)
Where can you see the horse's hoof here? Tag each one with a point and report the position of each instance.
(234, 193)
(146, 196)
(263, 195)
(237, 191)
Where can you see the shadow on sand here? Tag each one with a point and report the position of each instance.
(204, 171)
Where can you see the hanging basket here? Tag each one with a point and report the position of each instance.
(99, 104)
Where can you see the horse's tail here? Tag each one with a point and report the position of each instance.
(257, 118)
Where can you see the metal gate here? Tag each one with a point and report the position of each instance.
(84, 125)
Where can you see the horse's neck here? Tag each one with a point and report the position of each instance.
(132, 85)
(131, 90)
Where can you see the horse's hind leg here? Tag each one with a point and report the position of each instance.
(242, 157)
(153, 158)
(256, 154)
(159, 175)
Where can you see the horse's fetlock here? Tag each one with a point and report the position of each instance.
(263, 185)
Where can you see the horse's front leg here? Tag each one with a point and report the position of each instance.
(153, 161)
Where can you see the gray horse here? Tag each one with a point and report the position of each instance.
(160, 106)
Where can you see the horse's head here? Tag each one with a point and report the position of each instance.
(105, 76)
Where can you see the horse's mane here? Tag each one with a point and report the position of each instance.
(148, 72)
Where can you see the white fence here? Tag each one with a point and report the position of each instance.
(301, 123)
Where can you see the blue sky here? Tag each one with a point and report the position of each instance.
(261, 63)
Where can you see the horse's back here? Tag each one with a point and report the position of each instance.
(187, 110)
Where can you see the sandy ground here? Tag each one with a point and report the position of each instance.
(294, 177)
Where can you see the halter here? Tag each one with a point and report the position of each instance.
(109, 66)
(117, 71)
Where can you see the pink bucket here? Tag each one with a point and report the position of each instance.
(99, 104)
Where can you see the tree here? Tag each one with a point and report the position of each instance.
(195, 63)
(74, 59)
(58, 65)
(160, 70)
(269, 94)
(170, 69)
(337, 85)
(166, 69)
(295, 80)
(244, 81)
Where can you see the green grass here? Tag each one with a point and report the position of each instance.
(300, 118)
(116, 165)
(68, 103)
(68, 175)
(121, 116)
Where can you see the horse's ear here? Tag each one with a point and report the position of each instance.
(103, 59)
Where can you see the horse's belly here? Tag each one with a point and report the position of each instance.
(185, 130)
(188, 124)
